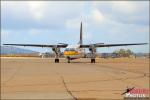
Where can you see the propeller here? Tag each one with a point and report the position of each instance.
(98, 43)
(63, 43)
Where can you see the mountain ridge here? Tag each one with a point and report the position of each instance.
(15, 50)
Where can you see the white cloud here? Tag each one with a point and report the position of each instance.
(111, 21)
(35, 31)
(127, 12)
(5, 32)
(17, 10)
(73, 23)
(97, 16)
(40, 14)
(93, 17)
(36, 9)
(126, 7)
(87, 36)
(7, 35)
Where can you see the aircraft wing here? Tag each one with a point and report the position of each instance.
(110, 45)
(39, 45)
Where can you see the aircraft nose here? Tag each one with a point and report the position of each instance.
(65, 53)
(70, 53)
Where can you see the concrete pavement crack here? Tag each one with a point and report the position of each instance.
(69, 92)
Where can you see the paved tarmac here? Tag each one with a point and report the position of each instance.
(37, 78)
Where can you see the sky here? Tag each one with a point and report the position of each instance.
(52, 22)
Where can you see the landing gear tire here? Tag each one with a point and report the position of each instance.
(92, 60)
(68, 60)
(56, 60)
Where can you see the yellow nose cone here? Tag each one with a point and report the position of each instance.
(70, 53)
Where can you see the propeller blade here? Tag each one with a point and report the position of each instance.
(63, 43)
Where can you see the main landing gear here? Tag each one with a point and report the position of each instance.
(56, 60)
(92, 60)
(57, 53)
(92, 49)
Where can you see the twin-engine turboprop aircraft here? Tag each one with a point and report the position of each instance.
(75, 51)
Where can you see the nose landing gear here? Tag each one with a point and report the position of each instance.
(68, 58)
(92, 60)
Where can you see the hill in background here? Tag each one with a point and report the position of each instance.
(15, 50)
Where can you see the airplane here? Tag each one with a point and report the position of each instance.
(72, 52)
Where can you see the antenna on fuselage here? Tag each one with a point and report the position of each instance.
(81, 41)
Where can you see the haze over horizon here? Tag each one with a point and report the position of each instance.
(50, 22)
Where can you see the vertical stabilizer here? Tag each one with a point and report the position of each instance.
(80, 42)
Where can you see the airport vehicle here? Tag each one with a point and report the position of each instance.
(75, 51)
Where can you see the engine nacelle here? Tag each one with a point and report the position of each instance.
(92, 48)
(56, 49)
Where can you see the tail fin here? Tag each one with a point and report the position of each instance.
(80, 42)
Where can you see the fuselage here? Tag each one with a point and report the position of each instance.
(74, 52)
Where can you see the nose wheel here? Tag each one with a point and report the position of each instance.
(56, 60)
(68, 58)
(92, 60)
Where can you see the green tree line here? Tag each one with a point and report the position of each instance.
(123, 52)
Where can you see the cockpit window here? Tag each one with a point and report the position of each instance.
(67, 49)
(70, 49)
